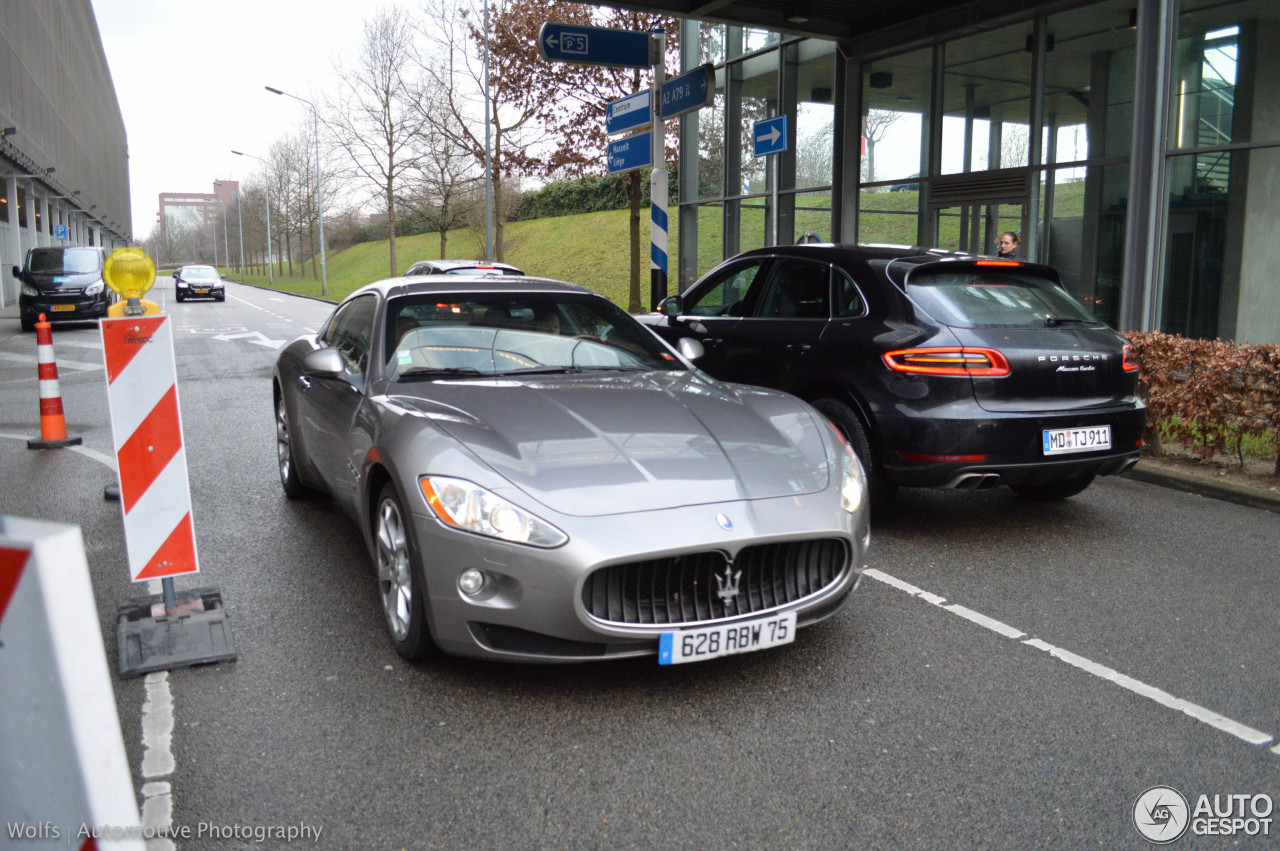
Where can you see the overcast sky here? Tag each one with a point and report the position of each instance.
(189, 75)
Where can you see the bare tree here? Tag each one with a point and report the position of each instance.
(875, 124)
(456, 29)
(441, 187)
(375, 118)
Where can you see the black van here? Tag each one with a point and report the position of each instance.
(63, 284)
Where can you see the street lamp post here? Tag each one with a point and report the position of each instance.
(267, 185)
(225, 248)
(315, 114)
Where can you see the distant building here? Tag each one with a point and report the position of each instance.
(195, 210)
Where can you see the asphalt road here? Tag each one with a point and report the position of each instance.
(1010, 675)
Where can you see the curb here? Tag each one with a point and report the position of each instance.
(1214, 490)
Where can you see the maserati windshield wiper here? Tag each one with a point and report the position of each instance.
(442, 372)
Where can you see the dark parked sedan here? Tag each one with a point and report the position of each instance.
(198, 282)
(461, 267)
(540, 478)
(943, 370)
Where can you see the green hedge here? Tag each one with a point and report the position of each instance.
(1209, 394)
(587, 195)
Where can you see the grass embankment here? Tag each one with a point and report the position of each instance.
(591, 249)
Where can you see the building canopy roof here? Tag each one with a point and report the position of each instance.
(837, 20)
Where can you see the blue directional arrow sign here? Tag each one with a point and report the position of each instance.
(769, 136)
(691, 90)
(631, 153)
(594, 45)
(628, 113)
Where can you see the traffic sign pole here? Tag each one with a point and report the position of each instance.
(658, 183)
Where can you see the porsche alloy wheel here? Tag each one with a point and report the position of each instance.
(397, 580)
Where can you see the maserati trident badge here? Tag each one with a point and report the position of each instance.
(727, 585)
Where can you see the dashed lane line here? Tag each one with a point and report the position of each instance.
(1200, 713)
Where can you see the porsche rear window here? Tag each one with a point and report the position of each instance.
(985, 298)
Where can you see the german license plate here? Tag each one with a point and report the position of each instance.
(697, 645)
(61, 307)
(1062, 441)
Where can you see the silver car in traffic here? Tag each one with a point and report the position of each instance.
(538, 477)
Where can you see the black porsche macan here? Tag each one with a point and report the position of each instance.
(943, 370)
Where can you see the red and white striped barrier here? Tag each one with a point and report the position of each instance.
(53, 423)
(65, 781)
(142, 391)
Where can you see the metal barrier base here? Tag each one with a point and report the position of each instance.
(198, 633)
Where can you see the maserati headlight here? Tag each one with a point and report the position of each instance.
(467, 506)
(30, 291)
(853, 481)
(95, 288)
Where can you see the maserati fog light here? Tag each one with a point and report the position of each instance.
(471, 582)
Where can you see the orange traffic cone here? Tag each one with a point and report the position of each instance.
(53, 425)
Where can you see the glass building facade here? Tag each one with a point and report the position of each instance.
(1135, 147)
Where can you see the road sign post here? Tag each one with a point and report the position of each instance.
(630, 153)
(667, 99)
(629, 113)
(595, 46)
(769, 137)
(658, 184)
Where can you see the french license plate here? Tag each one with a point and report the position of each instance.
(1061, 441)
(697, 645)
(61, 307)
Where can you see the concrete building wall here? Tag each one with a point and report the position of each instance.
(56, 92)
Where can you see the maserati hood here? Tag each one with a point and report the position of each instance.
(611, 443)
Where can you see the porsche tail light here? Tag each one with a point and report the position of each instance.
(949, 360)
(1130, 365)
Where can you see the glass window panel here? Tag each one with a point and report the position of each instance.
(753, 223)
(1204, 89)
(759, 100)
(710, 237)
(888, 217)
(813, 216)
(757, 39)
(711, 43)
(815, 113)
(895, 94)
(710, 121)
(1091, 58)
(1195, 245)
(986, 95)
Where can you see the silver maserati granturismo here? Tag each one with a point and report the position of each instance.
(538, 477)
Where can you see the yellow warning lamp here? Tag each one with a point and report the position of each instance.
(130, 273)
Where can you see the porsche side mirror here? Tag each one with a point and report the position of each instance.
(671, 306)
(323, 363)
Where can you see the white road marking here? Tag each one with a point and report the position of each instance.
(157, 727)
(30, 360)
(1206, 716)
